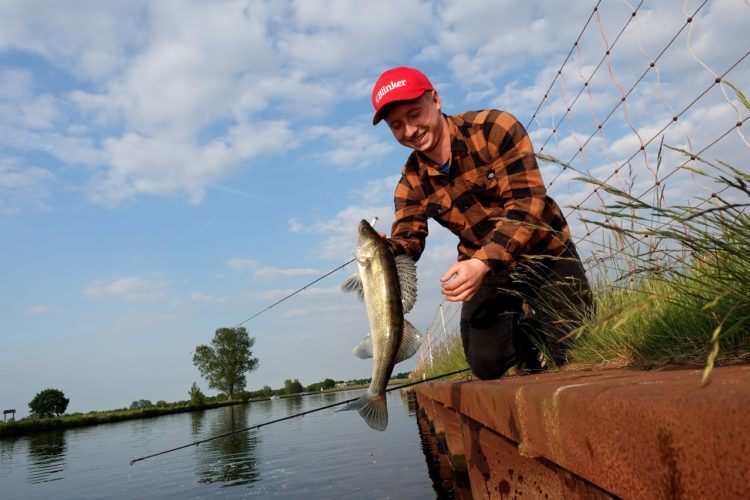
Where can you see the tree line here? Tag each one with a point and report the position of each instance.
(224, 364)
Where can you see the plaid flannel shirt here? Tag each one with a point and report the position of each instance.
(493, 197)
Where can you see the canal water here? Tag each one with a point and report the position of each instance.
(321, 455)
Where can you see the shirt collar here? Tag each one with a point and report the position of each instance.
(458, 149)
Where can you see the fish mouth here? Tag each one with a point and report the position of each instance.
(364, 226)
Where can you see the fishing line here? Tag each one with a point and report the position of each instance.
(289, 417)
(304, 287)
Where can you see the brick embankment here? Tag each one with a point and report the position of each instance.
(613, 433)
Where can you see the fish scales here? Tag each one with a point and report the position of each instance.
(392, 338)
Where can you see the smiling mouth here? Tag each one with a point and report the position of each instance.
(418, 138)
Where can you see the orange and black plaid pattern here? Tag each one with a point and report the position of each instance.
(493, 197)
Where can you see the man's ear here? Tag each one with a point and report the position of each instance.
(436, 100)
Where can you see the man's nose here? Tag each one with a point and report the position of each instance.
(409, 130)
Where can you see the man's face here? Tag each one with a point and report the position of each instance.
(417, 124)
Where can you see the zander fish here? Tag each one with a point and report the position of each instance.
(388, 287)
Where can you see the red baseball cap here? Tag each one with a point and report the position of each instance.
(398, 84)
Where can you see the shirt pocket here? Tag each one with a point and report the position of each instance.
(484, 183)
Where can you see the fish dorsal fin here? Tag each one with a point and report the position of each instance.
(354, 284)
(410, 342)
(407, 277)
(363, 350)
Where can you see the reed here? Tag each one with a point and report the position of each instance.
(683, 299)
(447, 356)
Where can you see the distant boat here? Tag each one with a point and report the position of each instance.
(274, 397)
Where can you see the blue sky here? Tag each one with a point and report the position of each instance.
(168, 168)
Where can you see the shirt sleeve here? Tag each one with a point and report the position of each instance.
(521, 191)
(409, 229)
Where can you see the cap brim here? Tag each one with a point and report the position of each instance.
(410, 96)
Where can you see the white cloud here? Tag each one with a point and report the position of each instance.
(262, 271)
(23, 188)
(317, 294)
(41, 310)
(339, 36)
(209, 299)
(63, 33)
(275, 272)
(162, 165)
(354, 147)
(237, 263)
(132, 289)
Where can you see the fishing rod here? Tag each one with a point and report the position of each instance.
(289, 417)
(304, 287)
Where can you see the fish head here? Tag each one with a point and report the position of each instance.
(366, 230)
(368, 241)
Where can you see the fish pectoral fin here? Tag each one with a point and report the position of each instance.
(373, 409)
(354, 284)
(410, 342)
(407, 277)
(363, 350)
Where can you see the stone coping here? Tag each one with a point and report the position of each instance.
(634, 433)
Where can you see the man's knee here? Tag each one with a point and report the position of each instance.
(486, 368)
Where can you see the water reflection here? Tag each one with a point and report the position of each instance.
(324, 455)
(46, 457)
(7, 448)
(196, 421)
(230, 460)
(329, 397)
(448, 483)
(293, 404)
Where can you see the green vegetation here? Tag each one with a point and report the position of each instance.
(293, 386)
(33, 425)
(447, 356)
(684, 275)
(196, 395)
(48, 403)
(141, 403)
(684, 299)
(143, 408)
(226, 361)
(325, 385)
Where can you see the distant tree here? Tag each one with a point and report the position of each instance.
(141, 403)
(48, 403)
(293, 386)
(328, 383)
(161, 403)
(226, 361)
(196, 395)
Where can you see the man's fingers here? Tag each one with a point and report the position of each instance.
(456, 290)
(448, 275)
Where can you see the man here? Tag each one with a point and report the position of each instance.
(518, 274)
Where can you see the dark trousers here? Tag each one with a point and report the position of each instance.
(517, 313)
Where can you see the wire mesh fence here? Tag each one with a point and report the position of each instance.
(633, 112)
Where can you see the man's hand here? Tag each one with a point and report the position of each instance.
(468, 276)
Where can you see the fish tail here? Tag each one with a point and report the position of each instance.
(373, 409)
